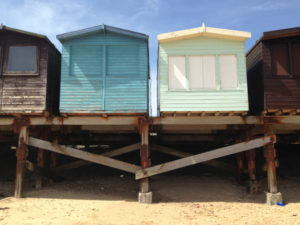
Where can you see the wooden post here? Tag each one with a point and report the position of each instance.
(22, 153)
(251, 164)
(270, 156)
(53, 163)
(240, 166)
(40, 168)
(145, 196)
(272, 196)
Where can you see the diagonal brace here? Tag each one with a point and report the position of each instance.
(203, 157)
(106, 161)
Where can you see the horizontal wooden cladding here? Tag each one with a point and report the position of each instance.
(282, 93)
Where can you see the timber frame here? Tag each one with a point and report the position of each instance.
(258, 131)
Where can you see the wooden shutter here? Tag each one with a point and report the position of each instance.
(228, 71)
(177, 75)
(202, 72)
(280, 59)
(296, 57)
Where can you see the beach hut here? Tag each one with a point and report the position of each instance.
(29, 73)
(202, 70)
(273, 66)
(104, 70)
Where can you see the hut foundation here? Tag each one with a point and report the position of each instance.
(272, 196)
(145, 195)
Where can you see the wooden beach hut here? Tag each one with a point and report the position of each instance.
(273, 66)
(104, 70)
(202, 70)
(29, 73)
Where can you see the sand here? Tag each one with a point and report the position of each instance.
(180, 200)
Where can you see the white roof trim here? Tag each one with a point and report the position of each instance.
(205, 32)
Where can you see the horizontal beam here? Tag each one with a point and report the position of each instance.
(203, 157)
(106, 161)
(198, 120)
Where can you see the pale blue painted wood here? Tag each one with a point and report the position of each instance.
(104, 72)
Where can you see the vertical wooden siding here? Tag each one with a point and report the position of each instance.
(203, 100)
(104, 73)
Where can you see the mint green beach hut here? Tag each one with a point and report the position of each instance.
(202, 70)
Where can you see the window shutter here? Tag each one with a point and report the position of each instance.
(177, 75)
(202, 72)
(228, 71)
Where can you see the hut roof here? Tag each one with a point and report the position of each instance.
(274, 34)
(96, 29)
(6, 28)
(203, 31)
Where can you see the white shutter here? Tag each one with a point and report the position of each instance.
(202, 72)
(228, 71)
(177, 76)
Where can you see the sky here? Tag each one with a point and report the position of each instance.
(152, 17)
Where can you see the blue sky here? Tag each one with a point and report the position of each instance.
(151, 17)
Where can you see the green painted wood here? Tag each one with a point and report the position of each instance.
(203, 100)
(104, 72)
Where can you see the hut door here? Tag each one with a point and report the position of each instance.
(86, 75)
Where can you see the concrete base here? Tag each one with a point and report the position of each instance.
(273, 198)
(145, 197)
(253, 187)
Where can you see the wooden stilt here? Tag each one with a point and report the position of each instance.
(145, 196)
(270, 156)
(240, 166)
(53, 163)
(40, 168)
(22, 153)
(251, 164)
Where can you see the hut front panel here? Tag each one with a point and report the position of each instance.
(206, 99)
(24, 93)
(281, 73)
(104, 73)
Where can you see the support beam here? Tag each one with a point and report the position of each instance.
(177, 153)
(41, 158)
(117, 164)
(112, 153)
(252, 184)
(202, 157)
(22, 153)
(53, 162)
(145, 196)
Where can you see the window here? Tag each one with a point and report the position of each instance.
(22, 59)
(296, 57)
(280, 59)
(86, 60)
(202, 72)
(228, 71)
(177, 76)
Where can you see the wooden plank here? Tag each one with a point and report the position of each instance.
(202, 157)
(113, 153)
(117, 164)
(181, 154)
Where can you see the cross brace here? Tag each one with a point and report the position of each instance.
(117, 164)
(203, 157)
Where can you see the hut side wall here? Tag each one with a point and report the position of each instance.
(53, 87)
(203, 100)
(104, 73)
(23, 93)
(255, 79)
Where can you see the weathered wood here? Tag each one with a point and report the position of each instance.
(181, 154)
(202, 157)
(144, 154)
(117, 164)
(22, 153)
(112, 153)
(240, 166)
